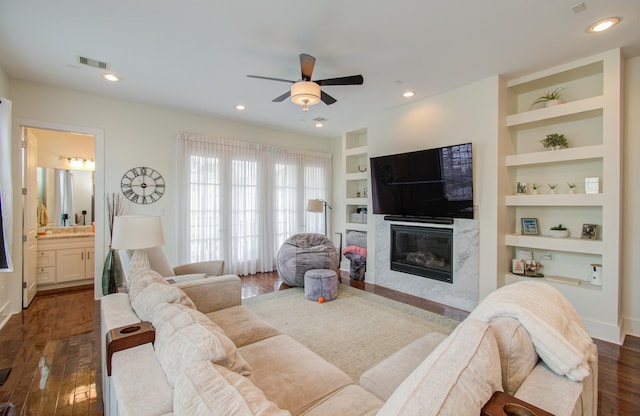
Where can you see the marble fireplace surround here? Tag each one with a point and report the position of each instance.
(461, 294)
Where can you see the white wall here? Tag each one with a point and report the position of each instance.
(4, 83)
(139, 135)
(466, 114)
(631, 199)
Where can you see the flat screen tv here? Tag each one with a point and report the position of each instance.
(432, 183)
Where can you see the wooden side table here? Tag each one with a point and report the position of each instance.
(128, 336)
(503, 404)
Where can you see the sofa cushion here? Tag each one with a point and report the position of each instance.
(187, 345)
(291, 375)
(352, 400)
(169, 318)
(242, 325)
(206, 389)
(457, 378)
(517, 354)
(383, 378)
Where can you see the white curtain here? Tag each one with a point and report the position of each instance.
(239, 201)
(6, 198)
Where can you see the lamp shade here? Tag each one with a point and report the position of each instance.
(315, 205)
(136, 232)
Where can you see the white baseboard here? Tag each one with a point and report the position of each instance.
(631, 327)
(604, 331)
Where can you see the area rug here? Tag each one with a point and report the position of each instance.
(355, 331)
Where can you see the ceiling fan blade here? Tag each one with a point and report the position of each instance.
(350, 80)
(307, 63)
(282, 97)
(326, 98)
(271, 79)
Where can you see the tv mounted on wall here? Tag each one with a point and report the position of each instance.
(432, 183)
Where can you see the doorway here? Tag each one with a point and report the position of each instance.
(61, 144)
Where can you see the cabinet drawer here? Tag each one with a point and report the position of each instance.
(45, 275)
(46, 258)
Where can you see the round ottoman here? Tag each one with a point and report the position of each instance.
(320, 282)
(303, 252)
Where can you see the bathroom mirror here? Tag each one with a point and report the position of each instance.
(65, 197)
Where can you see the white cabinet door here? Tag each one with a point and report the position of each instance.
(89, 263)
(70, 264)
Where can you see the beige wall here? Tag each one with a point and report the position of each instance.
(631, 199)
(139, 135)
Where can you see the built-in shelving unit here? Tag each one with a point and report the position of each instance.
(356, 168)
(590, 119)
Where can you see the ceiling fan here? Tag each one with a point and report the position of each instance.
(306, 92)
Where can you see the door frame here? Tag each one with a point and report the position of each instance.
(98, 134)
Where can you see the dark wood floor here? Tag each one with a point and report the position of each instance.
(53, 350)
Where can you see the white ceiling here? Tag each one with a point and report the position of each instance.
(194, 55)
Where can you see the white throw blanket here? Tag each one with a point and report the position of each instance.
(556, 330)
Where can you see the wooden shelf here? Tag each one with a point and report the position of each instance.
(563, 280)
(561, 110)
(552, 200)
(358, 176)
(572, 245)
(556, 156)
(356, 226)
(356, 201)
(356, 151)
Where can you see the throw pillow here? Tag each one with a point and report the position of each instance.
(457, 378)
(517, 354)
(205, 389)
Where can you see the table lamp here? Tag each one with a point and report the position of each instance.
(137, 232)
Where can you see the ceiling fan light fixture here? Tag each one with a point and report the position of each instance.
(305, 94)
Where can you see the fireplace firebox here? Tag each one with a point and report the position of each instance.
(422, 251)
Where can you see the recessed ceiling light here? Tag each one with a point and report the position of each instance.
(111, 77)
(604, 24)
(408, 94)
(319, 124)
(240, 107)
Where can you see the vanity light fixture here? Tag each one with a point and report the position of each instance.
(604, 24)
(78, 162)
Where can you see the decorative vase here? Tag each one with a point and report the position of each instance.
(552, 191)
(559, 233)
(572, 191)
(111, 273)
(551, 103)
(534, 192)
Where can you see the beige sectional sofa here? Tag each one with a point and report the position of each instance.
(213, 356)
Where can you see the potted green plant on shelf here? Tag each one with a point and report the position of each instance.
(550, 98)
(572, 187)
(553, 187)
(559, 231)
(535, 187)
(555, 141)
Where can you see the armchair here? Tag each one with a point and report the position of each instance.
(159, 261)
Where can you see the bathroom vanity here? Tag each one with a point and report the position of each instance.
(65, 259)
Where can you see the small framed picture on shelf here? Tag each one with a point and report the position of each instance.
(521, 188)
(517, 266)
(590, 231)
(529, 226)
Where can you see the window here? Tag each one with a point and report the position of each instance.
(242, 200)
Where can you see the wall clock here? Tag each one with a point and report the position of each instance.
(142, 185)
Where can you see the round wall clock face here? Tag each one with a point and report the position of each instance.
(142, 185)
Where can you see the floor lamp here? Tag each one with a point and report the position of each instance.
(319, 205)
